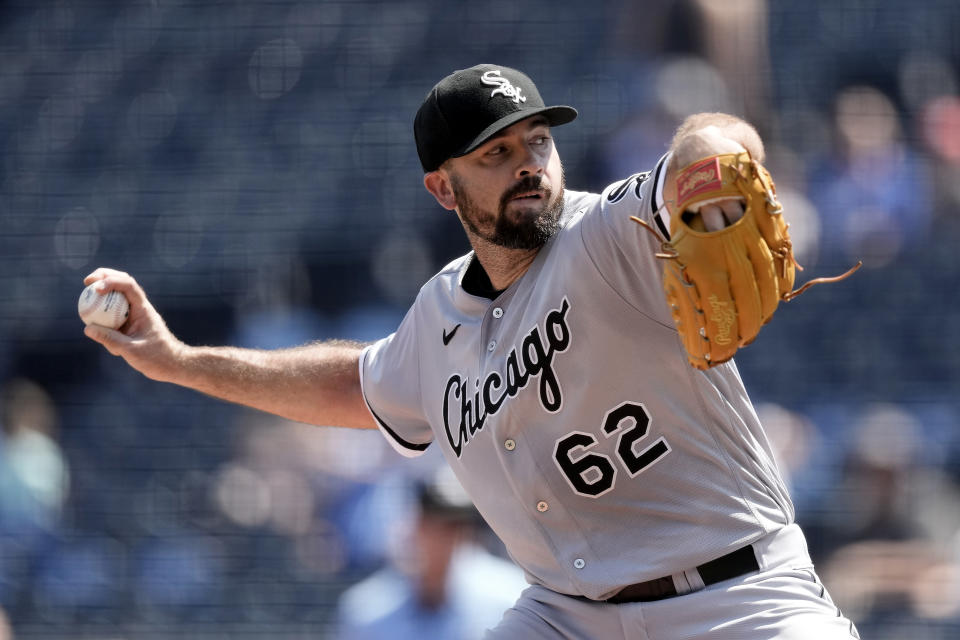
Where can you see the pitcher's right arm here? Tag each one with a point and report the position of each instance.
(317, 383)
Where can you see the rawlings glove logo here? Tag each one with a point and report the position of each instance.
(724, 317)
(503, 86)
(701, 177)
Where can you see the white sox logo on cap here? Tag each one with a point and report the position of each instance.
(461, 112)
(503, 86)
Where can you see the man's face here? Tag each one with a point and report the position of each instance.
(509, 191)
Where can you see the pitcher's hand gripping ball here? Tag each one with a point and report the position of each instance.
(107, 310)
(723, 286)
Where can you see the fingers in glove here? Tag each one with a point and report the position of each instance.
(719, 215)
(712, 216)
(732, 210)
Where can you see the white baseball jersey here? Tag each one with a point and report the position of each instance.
(568, 411)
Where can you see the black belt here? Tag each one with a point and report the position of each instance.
(732, 565)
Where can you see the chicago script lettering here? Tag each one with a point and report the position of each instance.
(466, 411)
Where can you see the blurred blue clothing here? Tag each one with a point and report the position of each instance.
(480, 588)
(882, 198)
(34, 481)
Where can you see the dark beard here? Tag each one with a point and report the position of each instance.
(528, 232)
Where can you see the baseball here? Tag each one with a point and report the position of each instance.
(107, 310)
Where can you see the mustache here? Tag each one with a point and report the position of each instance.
(530, 183)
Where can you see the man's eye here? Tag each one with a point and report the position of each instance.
(496, 150)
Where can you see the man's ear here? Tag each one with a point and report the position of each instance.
(438, 184)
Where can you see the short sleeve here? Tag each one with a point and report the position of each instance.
(639, 195)
(390, 381)
(622, 250)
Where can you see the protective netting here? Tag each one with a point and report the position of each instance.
(252, 164)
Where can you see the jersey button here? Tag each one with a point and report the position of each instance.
(497, 312)
(509, 445)
(492, 345)
(579, 563)
(542, 506)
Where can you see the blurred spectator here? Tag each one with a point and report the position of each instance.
(940, 131)
(941, 128)
(730, 39)
(794, 441)
(735, 40)
(678, 61)
(444, 586)
(34, 478)
(874, 195)
(33, 484)
(6, 631)
(889, 561)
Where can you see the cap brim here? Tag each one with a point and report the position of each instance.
(556, 115)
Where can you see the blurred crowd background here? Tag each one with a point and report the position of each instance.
(252, 163)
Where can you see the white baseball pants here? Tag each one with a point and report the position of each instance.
(784, 601)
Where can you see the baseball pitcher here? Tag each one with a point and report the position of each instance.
(575, 370)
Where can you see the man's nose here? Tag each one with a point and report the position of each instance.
(531, 163)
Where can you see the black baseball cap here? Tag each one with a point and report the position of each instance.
(470, 105)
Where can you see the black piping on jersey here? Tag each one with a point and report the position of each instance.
(393, 434)
(656, 202)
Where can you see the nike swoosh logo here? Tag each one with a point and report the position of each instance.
(447, 337)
